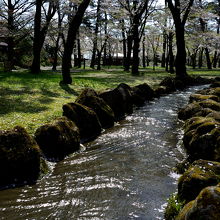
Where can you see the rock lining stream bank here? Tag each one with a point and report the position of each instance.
(198, 195)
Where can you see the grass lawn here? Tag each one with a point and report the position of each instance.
(32, 100)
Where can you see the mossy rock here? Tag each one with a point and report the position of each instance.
(189, 111)
(210, 104)
(217, 78)
(169, 83)
(198, 80)
(104, 112)
(58, 139)
(126, 92)
(201, 173)
(20, 157)
(143, 92)
(85, 119)
(195, 122)
(161, 90)
(200, 138)
(210, 91)
(215, 84)
(215, 115)
(200, 97)
(204, 207)
(120, 100)
(204, 112)
(206, 127)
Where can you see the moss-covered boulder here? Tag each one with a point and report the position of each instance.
(214, 114)
(215, 84)
(189, 111)
(198, 109)
(142, 93)
(58, 138)
(120, 100)
(161, 90)
(200, 97)
(19, 157)
(169, 82)
(104, 112)
(205, 207)
(201, 138)
(210, 104)
(204, 112)
(85, 119)
(210, 91)
(126, 92)
(201, 173)
(198, 80)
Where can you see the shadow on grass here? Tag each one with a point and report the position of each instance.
(25, 100)
(8, 105)
(69, 90)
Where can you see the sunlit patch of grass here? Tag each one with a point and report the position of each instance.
(32, 100)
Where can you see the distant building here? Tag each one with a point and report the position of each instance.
(116, 60)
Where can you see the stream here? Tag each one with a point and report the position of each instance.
(126, 173)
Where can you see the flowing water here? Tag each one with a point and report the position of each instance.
(124, 174)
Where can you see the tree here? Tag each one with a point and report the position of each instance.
(97, 24)
(180, 11)
(40, 30)
(60, 16)
(138, 12)
(15, 15)
(74, 24)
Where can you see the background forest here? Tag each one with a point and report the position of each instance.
(103, 33)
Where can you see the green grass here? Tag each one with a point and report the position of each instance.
(32, 100)
(173, 208)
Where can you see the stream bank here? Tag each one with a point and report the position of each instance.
(198, 195)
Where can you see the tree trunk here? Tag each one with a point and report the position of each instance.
(105, 46)
(124, 42)
(163, 60)
(71, 36)
(170, 56)
(75, 55)
(216, 56)
(215, 59)
(35, 67)
(60, 33)
(99, 54)
(143, 50)
(128, 56)
(40, 33)
(167, 55)
(54, 68)
(10, 38)
(136, 45)
(219, 60)
(94, 50)
(193, 58)
(201, 58)
(180, 63)
(208, 60)
(79, 51)
(180, 17)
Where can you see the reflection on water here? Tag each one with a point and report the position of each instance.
(125, 174)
